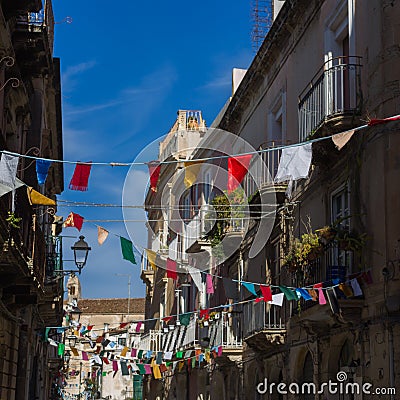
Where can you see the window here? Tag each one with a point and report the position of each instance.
(340, 213)
(122, 341)
(186, 208)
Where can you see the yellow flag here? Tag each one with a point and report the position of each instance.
(192, 169)
(124, 351)
(181, 364)
(74, 351)
(151, 256)
(156, 372)
(207, 356)
(39, 199)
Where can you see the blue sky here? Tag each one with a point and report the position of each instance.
(126, 70)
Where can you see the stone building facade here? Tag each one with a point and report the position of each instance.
(325, 67)
(30, 123)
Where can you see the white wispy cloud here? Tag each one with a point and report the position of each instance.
(68, 78)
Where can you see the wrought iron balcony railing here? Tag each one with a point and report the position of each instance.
(258, 317)
(334, 91)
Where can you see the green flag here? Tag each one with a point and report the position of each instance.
(61, 348)
(142, 369)
(289, 294)
(179, 354)
(184, 319)
(127, 250)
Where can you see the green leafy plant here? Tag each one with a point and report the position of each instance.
(13, 221)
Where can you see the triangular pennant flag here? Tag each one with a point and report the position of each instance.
(303, 293)
(37, 198)
(156, 372)
(192, 169)
(313, 294)
(151, 257)
(184, 319)
(80, 178)
(124, 368)
(73, 220)
(277, 299)
(168, 355)
(250, 287)
(196, 277)
(356, 287)
(124, 351)
(8, 170)
(61, 349)
(266, 292)
(75, 351)
(154, 171)
(127, 250)
(209, 284)
(42, 169)
(137, 329)
(321, 297)
(374, 122)
(102, 235)
(4, 189)
(122, 325)
(167, 319)
(340, 139)
(237, 169)
(171, 269)
(289, 294)
(346, 290)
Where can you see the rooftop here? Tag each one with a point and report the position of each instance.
(111, 306)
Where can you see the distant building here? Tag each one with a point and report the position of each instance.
(106, 317)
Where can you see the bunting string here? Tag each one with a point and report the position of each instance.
(267, 150)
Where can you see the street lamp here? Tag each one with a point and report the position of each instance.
(81, 250)
(67, 357)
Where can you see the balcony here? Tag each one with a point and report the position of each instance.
(333, 96)
(34, 38)
(264, 326)
(264, 174)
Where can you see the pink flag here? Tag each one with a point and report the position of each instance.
(85, 356)
(237, 169)
(115, 365)
(209, 284)
(219, 351)
(133, 353)
(138, 326)
(147, 368)
(321, 296)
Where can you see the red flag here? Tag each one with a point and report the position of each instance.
(73, 220)
(259, 299)
(154, 171)
(123, 325)
(266, 292)
(80, 178)
(171, 269)
(237, 169)
(374, 122)
(204, 313)
(167, 319)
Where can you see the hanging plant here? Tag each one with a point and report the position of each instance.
(351, 241)
(13, 221)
